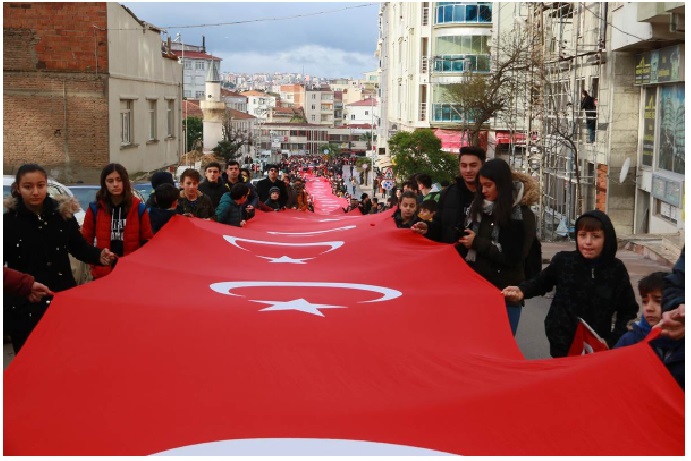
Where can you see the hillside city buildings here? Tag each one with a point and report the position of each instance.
(118, 89)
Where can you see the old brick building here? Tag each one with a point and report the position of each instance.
(84, 85)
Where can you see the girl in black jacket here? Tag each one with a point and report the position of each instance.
(40, 231)
(500, 229)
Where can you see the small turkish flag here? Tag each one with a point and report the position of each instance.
(586, 341)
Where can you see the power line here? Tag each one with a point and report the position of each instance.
(232, 23)
(613, 26)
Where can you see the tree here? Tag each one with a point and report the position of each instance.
(481, 96)
(298, 115)
(334, 150)
(420, 152)
(233, 139)
(194, 129)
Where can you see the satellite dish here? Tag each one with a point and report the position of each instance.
(624, 170)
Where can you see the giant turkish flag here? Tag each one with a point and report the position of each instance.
(315, 333)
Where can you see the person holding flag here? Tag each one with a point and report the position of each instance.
(592, 285)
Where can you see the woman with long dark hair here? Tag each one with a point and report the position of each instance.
(40, 234)
(117, 220)
(500, 228)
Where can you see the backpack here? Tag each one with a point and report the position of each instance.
(532, 265)
(94, 209)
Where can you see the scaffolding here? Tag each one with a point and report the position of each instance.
(563, 64)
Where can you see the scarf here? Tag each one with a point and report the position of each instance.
(487, 209)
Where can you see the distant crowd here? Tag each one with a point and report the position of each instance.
(485, 213)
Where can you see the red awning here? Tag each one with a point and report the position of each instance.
(452, 140)
(505, 137)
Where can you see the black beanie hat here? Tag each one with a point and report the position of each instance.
(161, 177)
(274, 189)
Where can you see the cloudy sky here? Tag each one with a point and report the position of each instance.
(326, 39)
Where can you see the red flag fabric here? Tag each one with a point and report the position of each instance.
(307, 333)
(586, 341)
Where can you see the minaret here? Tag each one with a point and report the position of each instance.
(213, 109)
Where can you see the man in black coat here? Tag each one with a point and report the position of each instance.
(449, 220)
(265, 185)
(213, 186)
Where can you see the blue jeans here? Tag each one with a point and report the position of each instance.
(514, 312)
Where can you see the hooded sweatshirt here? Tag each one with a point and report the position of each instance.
(593, 290)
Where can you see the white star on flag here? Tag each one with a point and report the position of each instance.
(286, 259)
(301, 305)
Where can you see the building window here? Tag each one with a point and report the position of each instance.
(199, 65)
(366, 112)
(126, 122)
(671, 134)
(314, 118)
(199, 94)
(461, 53)
(170, 112)
(352, 117)
(449, 12)
(650, 96)
(152, 118)
(188, 64)
(314, 106)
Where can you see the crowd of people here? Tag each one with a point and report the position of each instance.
(485, 214)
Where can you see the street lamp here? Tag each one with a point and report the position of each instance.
(178, 38)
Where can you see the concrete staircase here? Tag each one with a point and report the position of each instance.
(663, 248)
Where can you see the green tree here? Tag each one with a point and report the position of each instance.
(420, 152)
(194, 128)
(334, 150)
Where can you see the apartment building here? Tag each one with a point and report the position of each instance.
(196, 64)
(362, 112)
(292, 95)
(423, 47)
(84, 85)
(259, 102)
(319, 105)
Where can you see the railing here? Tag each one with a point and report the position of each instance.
(424, 64)
(425, 16)
(423, 111)
(462, 62)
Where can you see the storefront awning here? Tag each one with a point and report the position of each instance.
(452, 140)
(505, 137)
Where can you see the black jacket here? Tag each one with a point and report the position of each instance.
(214, 190)
(450, 217)
(594, 290)
(41, 247)
(503, 265)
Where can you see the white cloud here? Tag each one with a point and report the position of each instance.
(316, 60)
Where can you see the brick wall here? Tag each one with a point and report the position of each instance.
(55, 108)
(601, 188)
(55, 37)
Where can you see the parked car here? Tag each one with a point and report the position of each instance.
(86, 193)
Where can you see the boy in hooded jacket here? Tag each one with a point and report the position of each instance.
(670, 351)
(591, 284)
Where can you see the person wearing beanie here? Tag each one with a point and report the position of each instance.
(158, 178)
(272, 202)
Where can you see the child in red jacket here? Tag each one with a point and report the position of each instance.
(120, 221)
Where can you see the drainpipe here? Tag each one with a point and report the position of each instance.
(65, 145)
